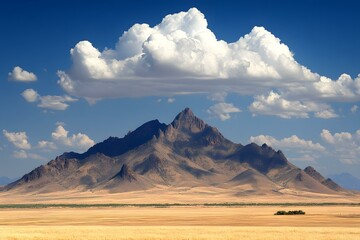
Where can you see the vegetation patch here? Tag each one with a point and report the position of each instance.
(167, 205)
(296, 212)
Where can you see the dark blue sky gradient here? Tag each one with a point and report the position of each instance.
(38, 36)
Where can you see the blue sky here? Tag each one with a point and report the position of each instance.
(281, 83)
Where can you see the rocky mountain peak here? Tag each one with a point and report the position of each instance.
(114, 146)
(320, 178)
(187, 152)
(314, 174)
(188, 121)
(126, 174)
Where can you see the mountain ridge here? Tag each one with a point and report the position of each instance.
(328, 182)
(185, 153)
(346, 180)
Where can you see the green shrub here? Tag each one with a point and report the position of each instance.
(296, 212)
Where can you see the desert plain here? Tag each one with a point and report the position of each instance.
(178, 181)
(184, 221)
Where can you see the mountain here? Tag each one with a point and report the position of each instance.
(185, 154)
(326, 182)
(5, 180)
(347, 181)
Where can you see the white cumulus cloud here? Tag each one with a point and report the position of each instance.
(326, 114)
(218, 96)
(30, 95)
(80, 141)
(275, 104)
(18, 139)
(292, 142)
(223, 110)
(337, 138)
(344, 145)
(304, 158)
(354, 108)
(24, 155)
(19, 74)
(46, 145)
(340, 146)
(171, 100)
(55, 102)
(49, 101)
(182, 55)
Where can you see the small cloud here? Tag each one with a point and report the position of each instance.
(49, 101)
(223, 110)
(79, 140)
(55, 102)
(171, 100)
(344, 145)
(337, 138)
(20, 154)
(46, 145)
(19, 74)
(326, 114)
(24, 155)
(304, 158)
(30, 95)
(159, 100)
(347, 161)
(292, 142)
(218, 97)
(276, 105)
(18, 139)
(59, 123)
(354, 108)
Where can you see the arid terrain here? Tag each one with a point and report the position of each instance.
(162, 182)
(176, 195)
(186, 161)
(199, 222)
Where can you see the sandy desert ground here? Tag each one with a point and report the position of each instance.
(165, 194)
(320, 222)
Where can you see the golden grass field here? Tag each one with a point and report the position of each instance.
(195, 222)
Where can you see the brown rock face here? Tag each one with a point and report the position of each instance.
(185, 153)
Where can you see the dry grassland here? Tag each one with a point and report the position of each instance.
(176, 233)
(326, 222)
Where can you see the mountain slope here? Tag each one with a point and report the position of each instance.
(326, 182)
(5, 180)
(187, 153)
(346, 180)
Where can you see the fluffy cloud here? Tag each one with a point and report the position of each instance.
(354, 108)
(218, 96)
(18, 139)
(55, 102)
(30, 95)
(275, 104)
(337, 138)
(344, 145)
(46, 145)
(326, 114)
(341, 146)
(223, 110)
(344, 88)
(80, 141)
(48, 102)
(182, 55)
(293, 142)
(171, 100)
(297, 149)
(19, 74)
(24, 155)
(304, 158)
